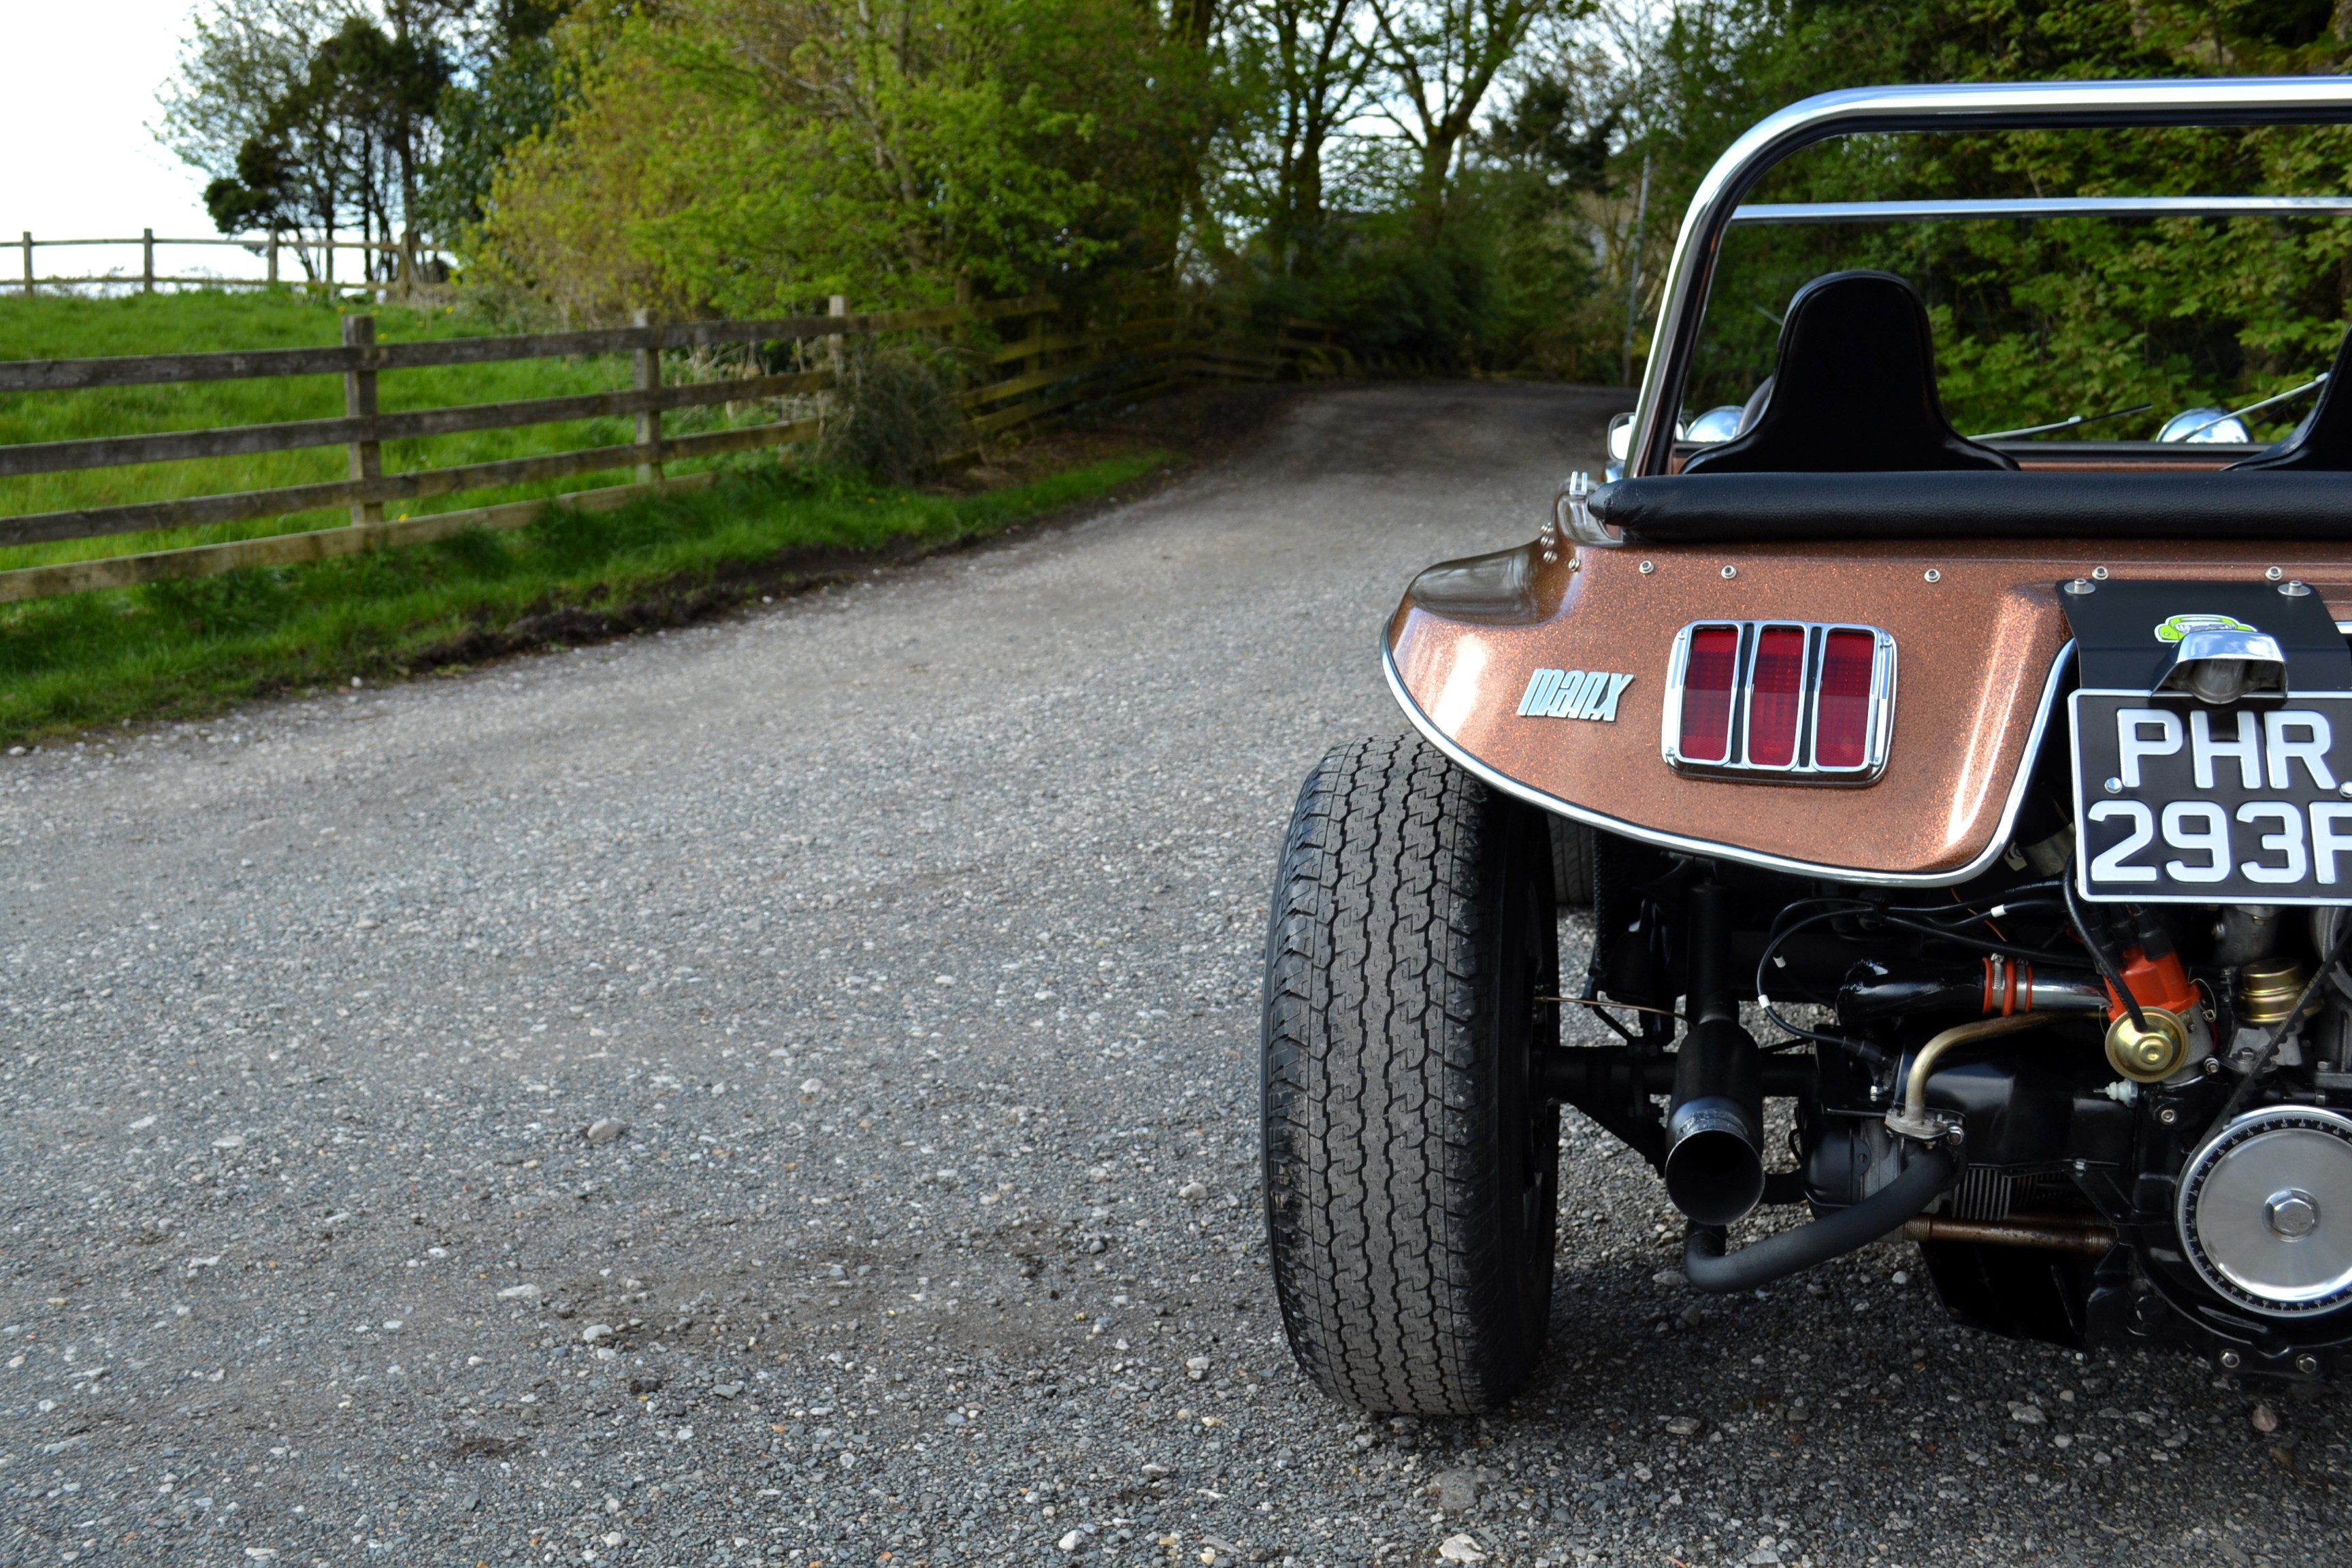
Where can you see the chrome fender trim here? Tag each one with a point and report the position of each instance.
(1681, 844)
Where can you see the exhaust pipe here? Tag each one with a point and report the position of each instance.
(1714, 1128)
(1715, 1121)
(1709, 1268)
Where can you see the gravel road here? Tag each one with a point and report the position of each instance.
(783, 1091)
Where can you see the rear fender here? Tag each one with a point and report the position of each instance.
(1981, 636)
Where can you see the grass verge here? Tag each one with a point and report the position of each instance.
(190, 648)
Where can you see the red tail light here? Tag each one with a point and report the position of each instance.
(1842, 727)
(1710, 678)
(1776, 702)
(1783, 699)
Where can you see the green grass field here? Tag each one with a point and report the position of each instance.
(189, 648)
(59, 327)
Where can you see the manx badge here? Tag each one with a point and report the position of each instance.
(1573, 694)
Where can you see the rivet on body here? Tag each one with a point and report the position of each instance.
(1731, 572)
(1648, 567)
(2098, 574)
(1933, 575)
(2272, 574)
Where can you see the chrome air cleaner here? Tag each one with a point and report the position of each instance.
(2266, 1211)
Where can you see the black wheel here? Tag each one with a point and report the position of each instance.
(1411, 1180)
(1572, 863)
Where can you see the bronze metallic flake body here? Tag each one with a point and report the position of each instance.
(1978, 645)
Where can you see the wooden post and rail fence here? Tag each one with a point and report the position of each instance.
(400, 258)
(1040, 373)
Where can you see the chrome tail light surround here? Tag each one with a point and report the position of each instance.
(1784, 739)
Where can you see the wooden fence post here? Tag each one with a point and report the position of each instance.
(359, 403)
(649, 379)
(28, 263)
(836, 348)
(961, 332)
(147, 260)
(273, 258)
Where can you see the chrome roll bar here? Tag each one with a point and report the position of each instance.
(1756, 214)
(1962, 107)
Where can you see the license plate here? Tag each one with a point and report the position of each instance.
(2180, 803)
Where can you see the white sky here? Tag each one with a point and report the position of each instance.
(77, 96)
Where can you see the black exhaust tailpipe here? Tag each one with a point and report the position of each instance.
(1715, 1124)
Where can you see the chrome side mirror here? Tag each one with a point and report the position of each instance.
(1720, 423)
(1620, 446)
(2197, 427)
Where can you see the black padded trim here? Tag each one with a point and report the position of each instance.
(1724, 508)
(1854, 387)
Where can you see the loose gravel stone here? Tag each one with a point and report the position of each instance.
(1457, 1492)
(604, 1129)
(670, 883)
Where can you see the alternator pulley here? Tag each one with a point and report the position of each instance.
(2266, 1211)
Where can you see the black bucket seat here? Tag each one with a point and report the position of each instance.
(1853, 389)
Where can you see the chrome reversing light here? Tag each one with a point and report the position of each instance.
(1803, 701)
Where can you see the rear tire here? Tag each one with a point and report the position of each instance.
(1572, 863)
(1412, 1179)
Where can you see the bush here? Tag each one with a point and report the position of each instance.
(894, 414)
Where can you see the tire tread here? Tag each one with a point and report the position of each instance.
(1382, 1201)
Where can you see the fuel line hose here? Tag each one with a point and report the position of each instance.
(1709, 1268)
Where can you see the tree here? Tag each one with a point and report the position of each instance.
(1443, 56)
(260, 194)
(747, 155)
(240, 61)
(510, 86)
(1308, 61)
(385, 87)
(312, 113)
